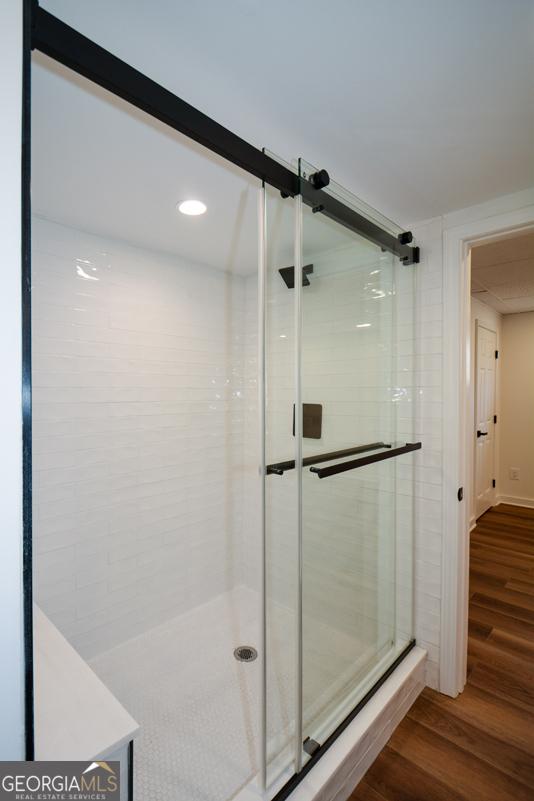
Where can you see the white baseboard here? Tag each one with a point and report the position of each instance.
(514, 501)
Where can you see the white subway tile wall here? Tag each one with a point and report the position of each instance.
(355, 524)
(138, 409)
(428, 378)
(145, 434)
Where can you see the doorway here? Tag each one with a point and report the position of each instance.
(495, 224)
(502, 326)
(485, 417)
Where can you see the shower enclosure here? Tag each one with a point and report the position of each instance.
(223, 420)
(338, 487)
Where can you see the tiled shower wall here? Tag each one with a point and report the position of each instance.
(144, 389)
(364, 378)
(138, 434)
(418, 415)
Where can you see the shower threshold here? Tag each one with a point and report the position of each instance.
(320, 750)
(335, 770)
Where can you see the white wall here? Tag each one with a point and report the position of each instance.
(428, 364)
(11, 660)
(138, 409)
(517, 415)
(492, 319)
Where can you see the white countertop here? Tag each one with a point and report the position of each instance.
(76, 716)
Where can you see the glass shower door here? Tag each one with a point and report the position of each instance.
(356, 507)
(338, 400)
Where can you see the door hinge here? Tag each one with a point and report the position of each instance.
(496, 354)
(494, 418)
(461, 494)
(493, 483)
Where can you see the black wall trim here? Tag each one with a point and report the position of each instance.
(130, 770)
(27, 386)
(288, 788)
(66, 45)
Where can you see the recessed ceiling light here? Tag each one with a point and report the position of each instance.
(192, 207)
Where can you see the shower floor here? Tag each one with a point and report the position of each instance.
(198, 707)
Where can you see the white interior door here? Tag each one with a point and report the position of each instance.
(486, 344)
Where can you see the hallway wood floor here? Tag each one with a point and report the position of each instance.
(479, 746)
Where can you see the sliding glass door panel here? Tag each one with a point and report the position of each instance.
(281, 559)
(350, 566)
(339, 466)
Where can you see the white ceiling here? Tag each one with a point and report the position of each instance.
(419, 107)
(100, 165)
(502, 273)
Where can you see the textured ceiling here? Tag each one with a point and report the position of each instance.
(502, 273)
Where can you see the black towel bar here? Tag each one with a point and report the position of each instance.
(279, 468)
(342, 467)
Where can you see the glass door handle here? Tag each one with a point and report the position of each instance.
(342, 467)
(278, 468)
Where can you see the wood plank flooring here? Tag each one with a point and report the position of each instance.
(479, 746)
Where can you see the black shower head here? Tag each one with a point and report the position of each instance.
(288, 274)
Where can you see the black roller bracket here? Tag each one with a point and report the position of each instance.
(405, 238)
(319, 179)
(412, 257)
(318, 208)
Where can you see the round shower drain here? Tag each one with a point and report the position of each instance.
(245, 653)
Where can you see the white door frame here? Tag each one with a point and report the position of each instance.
(457, 242)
